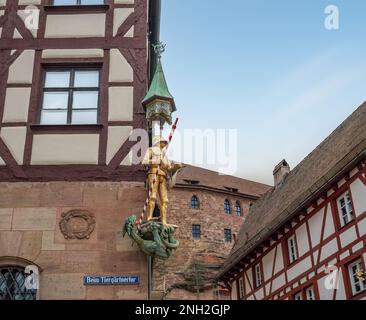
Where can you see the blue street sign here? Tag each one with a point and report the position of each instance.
(111, 280)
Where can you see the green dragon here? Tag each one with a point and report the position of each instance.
(153, 238)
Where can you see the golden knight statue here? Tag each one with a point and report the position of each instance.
(161, 177)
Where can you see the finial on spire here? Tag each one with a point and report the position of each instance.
(159, 48)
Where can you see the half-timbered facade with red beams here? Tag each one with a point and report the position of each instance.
(305, 238)
(72, 77)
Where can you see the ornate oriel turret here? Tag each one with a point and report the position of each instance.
(159, 103)
(155, 236)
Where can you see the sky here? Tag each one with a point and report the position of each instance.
(269, 69)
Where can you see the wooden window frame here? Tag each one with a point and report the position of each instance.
(231, 235)
(237, 204)
(194, 233)
(72, 68)
(359, 260)
(287, 247)
(227, 201)
(303, 293)
(241, 288)
(256, 285)
(196, 200)
(343, 195)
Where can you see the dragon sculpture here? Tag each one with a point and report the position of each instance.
(153, 238)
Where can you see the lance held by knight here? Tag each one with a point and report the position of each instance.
(161, 177)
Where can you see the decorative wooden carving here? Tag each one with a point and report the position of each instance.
(77, 224)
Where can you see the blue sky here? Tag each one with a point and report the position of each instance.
(267, 68)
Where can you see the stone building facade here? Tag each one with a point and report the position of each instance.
(190, 272)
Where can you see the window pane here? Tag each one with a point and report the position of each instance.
(85, 100)
(64, 2)
(87, 78)
(55, 100)
(92, 1)
(54, 117)
(57, 79)
(84, 117)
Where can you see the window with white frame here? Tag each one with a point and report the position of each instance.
(292, 249)
(309, 292)
(345, 208)
(298, 296)
(357, 284)
(70, 96)
(257, 275)
(241, 288)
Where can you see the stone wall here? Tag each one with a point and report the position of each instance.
(197, 260)
(29, 229)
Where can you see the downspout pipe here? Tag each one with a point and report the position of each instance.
(154, 32)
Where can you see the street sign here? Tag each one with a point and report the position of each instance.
(111, 280)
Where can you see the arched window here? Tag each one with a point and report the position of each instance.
(238, 209)
(12, 284)
(227, 207)
(195, 203)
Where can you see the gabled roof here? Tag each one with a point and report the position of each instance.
(346, 144)
(203, 178)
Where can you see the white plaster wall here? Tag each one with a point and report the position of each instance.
(120, 104)
(358, 190)
(14, 138)
(234, 293)
(341, 292)
(116, 137)
(75, 25)
(28, 2)
(362, 227)
(120, 69)
(21, 71)
(327, 250)
(299, 268)
(248, 284)
(279, 260)
(259, 294)
(72, 53)
(278, 282)
(329, 223)
(124, 1)
(302, 240)
(348, 236)
(267, 263)
(324, 293)
(57, 149)
(16, 104)
(120, 16)
(315, 226)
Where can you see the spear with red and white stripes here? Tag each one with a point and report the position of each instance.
(172, 131)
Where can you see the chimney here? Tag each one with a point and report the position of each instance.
(280, 172)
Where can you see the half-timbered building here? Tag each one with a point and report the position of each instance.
(72, 77)
(305, 238)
